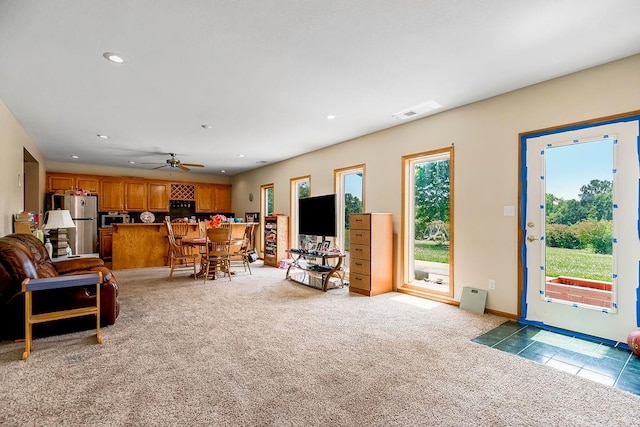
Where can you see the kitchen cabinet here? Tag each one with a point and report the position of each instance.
(205, 198)
(88, 183)
(159, 193)
(222, 198)
(213, 198)
(139, 194)
(111, 195)
(135, 195)
(106, 241)
(60, 182)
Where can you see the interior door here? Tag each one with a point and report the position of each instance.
(579, 314)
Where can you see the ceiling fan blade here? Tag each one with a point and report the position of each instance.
(163, 166)
(195, 165)
(184, 168)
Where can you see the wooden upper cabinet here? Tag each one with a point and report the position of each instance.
(88, 183)
(222, 198)
(159, 193)
(61, 182)
(136, 196)
(139, 194)
(213, 198)
(111, 195)
(205, 198)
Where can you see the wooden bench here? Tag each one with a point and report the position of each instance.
(33, 285)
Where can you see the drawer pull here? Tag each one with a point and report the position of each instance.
(357, 278)
(358, 264)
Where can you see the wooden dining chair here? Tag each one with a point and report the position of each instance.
(202, 229)
(217, 256)
(181, 256)
(240, 255)
(169, 228)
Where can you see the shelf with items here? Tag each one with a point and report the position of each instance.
(276, 238)
(317, 269)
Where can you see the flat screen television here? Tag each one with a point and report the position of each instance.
(317, 216)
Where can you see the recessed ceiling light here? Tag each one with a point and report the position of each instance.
(240, 155)
(132, 162)
(113, 57)
(205, 126)
(261, 162)
(223, 171)
(103, 136)
(74, 157)
(331, 117)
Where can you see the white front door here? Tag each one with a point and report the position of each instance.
(610, 311)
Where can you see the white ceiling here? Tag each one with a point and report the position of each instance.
(264, 74)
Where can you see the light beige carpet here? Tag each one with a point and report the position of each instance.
(262, 351)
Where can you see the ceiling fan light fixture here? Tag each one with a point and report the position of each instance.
(175, 163)
(113, 57)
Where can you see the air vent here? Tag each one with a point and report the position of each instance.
(425, 107)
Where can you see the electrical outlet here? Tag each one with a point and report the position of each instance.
(492, 284)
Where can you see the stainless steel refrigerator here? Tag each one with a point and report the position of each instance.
(84, 211)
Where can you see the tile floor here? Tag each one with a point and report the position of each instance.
(598, 362)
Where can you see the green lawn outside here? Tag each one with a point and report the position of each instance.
(578, 263)
(560, 262)
(430, 251)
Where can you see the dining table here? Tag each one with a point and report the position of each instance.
(202, 244)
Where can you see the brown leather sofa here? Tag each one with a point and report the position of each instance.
(24, 255)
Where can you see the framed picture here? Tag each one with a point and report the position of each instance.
(251, 216)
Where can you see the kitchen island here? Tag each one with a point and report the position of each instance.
(140, 245)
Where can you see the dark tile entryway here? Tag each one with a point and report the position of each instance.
(608, 365)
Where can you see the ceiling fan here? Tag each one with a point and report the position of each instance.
(175, 163)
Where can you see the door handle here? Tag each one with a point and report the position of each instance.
(532, 238)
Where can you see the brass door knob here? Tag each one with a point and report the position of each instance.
(532, 238)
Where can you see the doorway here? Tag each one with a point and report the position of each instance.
(31, 183)
(579, 229)
(427, 226)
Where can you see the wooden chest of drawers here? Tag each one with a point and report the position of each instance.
(371, 253)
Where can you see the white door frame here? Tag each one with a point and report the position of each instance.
(606, 326)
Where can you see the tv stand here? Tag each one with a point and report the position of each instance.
(316, 275)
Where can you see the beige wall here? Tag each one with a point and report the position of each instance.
(13, 141)
(485, 135)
